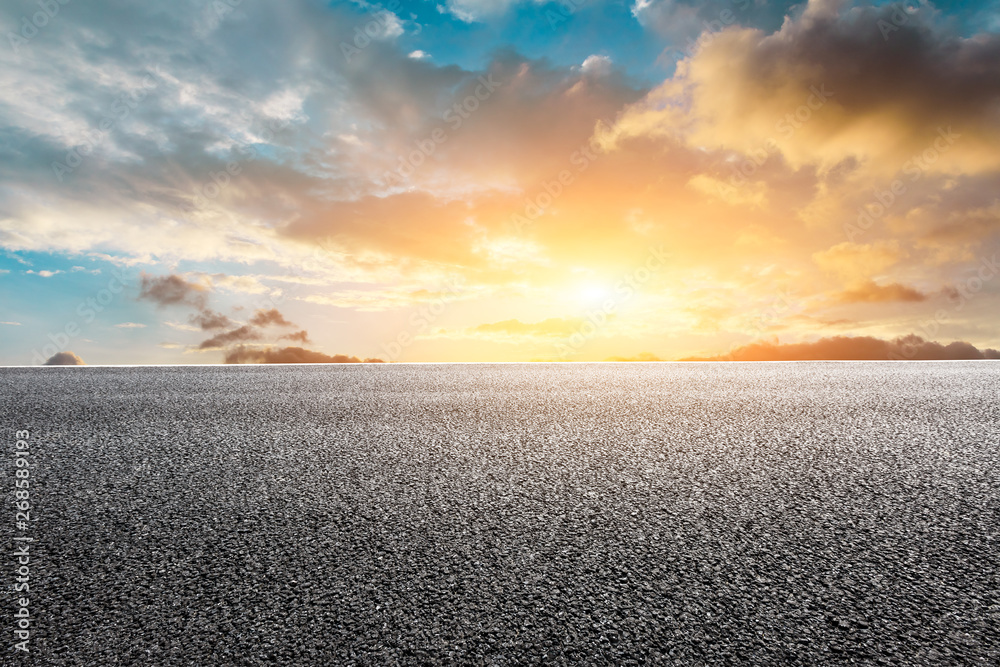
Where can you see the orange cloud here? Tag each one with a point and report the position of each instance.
(869, 292)
(831, 86)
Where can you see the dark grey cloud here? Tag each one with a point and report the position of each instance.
(208, 320)
(242, 334)
(171, 290)
(289, 355)
(264, 318)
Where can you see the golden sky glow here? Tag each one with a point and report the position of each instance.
(832, 170)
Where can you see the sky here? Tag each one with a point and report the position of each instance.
(216, 181)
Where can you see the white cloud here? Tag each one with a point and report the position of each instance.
(596, 64)
(669, 18)
(130, 325)
(181, 327)
(471, 11)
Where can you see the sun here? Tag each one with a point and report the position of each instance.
(592, 292)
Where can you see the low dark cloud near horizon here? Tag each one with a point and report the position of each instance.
(239, 335)
(859, 348)
(174, 290)
(289, 355)
(261, 319)
(64, 359)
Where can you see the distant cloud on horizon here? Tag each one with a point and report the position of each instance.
(861, 348)
(290, 355)
(64, 359)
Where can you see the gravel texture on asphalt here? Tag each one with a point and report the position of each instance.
(625, 514)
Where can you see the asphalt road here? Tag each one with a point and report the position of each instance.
(680, 514)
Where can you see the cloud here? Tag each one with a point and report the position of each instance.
(263, 318)
(316, 201)
(852, 261)
(861, 348)
(64, 359)
(130, 325)
(208, 320)
(471, 11)
(175, 290)
(870, 292)
(288, 355)
(754, 194)
(554, 326)
(388, 298)
(171, 290)
(597, 64)
(12, 324)
(181, 327)
(880, 85)
(43, 273)
(242, 334)
(247, 284)
(299, 336)
(676, 20)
